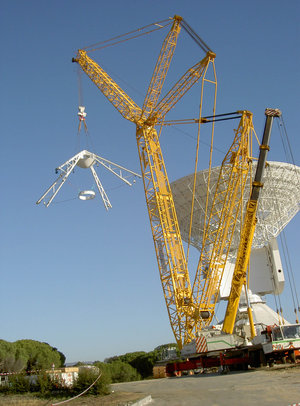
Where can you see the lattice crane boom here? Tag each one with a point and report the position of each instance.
(111, 90)
(222, 219)
(165, 230)
(184, 84)
(162, 67)
(247, 233)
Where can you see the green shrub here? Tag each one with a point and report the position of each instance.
(44, 384)
(123, 372)
(88, 376)
(19, 383)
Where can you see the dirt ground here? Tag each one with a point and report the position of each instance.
(260, 387)
(114, 399)
(266, 386)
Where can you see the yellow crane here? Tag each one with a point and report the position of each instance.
(225, 213)
(247, 233)
(189, 307)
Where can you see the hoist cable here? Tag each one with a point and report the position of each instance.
(292, 273)
(289, 158)
(283, 243)
(287, 148)
(80, 98)
(197, 156)
(291, 279)
(199, 41)
(80, 394)
(285, 250)
(113, 74)
(287, 140)
(276, 304)
(88, 138)
(118, 40)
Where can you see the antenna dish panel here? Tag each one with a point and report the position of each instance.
(279, 202)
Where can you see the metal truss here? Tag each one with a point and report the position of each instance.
(86, 159)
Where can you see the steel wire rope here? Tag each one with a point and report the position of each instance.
(195, 176)
(129, 85)
(100, 45)
(195, 139)
(80, 94)
(289, 157)
(77, 396)
(73, 185)
(197, 157)
(282, 125)
(64, 201)
(199, 41)
(88, 138)
(276, 300)
(284, 248)
(275, 297)
(277, 210)
(80, 103)
(121, 185)
(287, 148)
(290, 275)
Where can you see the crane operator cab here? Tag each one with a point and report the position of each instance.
(286, 332)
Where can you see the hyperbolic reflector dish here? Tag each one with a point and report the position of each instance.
(278, 202)
(86, 195)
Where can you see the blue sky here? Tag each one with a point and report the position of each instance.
(73, 275)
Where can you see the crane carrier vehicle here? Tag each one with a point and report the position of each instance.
(275, 344)
(237, 343)
(191, 306)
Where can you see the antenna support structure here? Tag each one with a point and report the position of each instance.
(86, 160)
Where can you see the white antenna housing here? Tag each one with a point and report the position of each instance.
(87, 160)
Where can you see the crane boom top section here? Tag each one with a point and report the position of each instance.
(111, 90)
(153, 110)
(162, 67)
